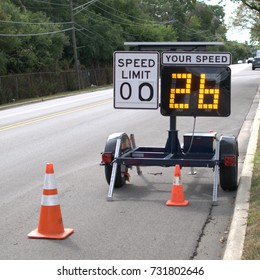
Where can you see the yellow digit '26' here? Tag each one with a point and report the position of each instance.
(203, 92)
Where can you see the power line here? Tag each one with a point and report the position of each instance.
(143, 22)
(82, 27)
(83, 7)
(34, 23)
(35, 34)
(128, 22)
(116, 16)
(91, 32)
(116, 11)
(52, 3)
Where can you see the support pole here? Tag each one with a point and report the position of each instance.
(114, 171)
(192, 171)
(74, 43)
(172, 145)
(132, 139)
(216, 176)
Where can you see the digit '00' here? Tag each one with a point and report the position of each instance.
(122, 91)
(140, 92)
(126, 91)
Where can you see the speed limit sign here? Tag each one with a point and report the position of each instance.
(136, 80)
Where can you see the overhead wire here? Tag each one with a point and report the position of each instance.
(92, 15)
(91, 32)
(52, 3)
(96, 33)
(35, 34)
(35, 23)
(117, 11)
(121, 20)
(128, 23)
(80, 8)
(188, 29)
(91, 2)
(144, 22)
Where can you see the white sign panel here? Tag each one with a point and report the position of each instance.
(196, 58)
(136, 80)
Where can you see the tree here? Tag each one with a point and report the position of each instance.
(7, 44)
(29, 41)
(251, 4)
(248, 17)
(239, 51)
(206, 23)
(175, 13)
(105, 25)
(101, 28)
(191, 20)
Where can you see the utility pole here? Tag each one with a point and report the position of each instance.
(75, 54)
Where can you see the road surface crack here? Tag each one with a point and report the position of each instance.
(207, 221)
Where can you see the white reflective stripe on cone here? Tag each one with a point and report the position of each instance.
(177, 181)
(49, 182)
(50, 200)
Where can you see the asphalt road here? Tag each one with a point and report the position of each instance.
(71, 132)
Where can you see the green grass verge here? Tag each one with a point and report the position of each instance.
(252, 239)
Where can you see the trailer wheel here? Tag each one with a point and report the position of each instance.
(121, 176)
(228, 178)
(122, 170)
(228, 174)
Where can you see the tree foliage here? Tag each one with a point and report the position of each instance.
(251, 4)
(28, 40)
(248, 17)
(36, 34)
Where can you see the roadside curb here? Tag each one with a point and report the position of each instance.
(236, 237)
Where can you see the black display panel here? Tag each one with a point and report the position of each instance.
(195, 91)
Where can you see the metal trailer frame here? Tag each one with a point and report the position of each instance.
(159, 156)
(124, 151)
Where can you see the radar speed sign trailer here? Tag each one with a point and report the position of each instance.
(194, 82)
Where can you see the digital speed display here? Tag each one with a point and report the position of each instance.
(195, 91)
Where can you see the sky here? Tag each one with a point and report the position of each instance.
(233, 34)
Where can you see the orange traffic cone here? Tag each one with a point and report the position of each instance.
(177, 196)
(50, 222)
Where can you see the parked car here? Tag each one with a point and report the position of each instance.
(256, 63)
(240, 61)
(250, 60)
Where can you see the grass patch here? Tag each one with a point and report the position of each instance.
(252, 239)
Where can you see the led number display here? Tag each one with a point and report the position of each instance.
(195, 91)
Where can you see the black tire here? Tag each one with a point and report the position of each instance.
(120, 179)
(122, 170)
(228, 178)
(228, 175)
